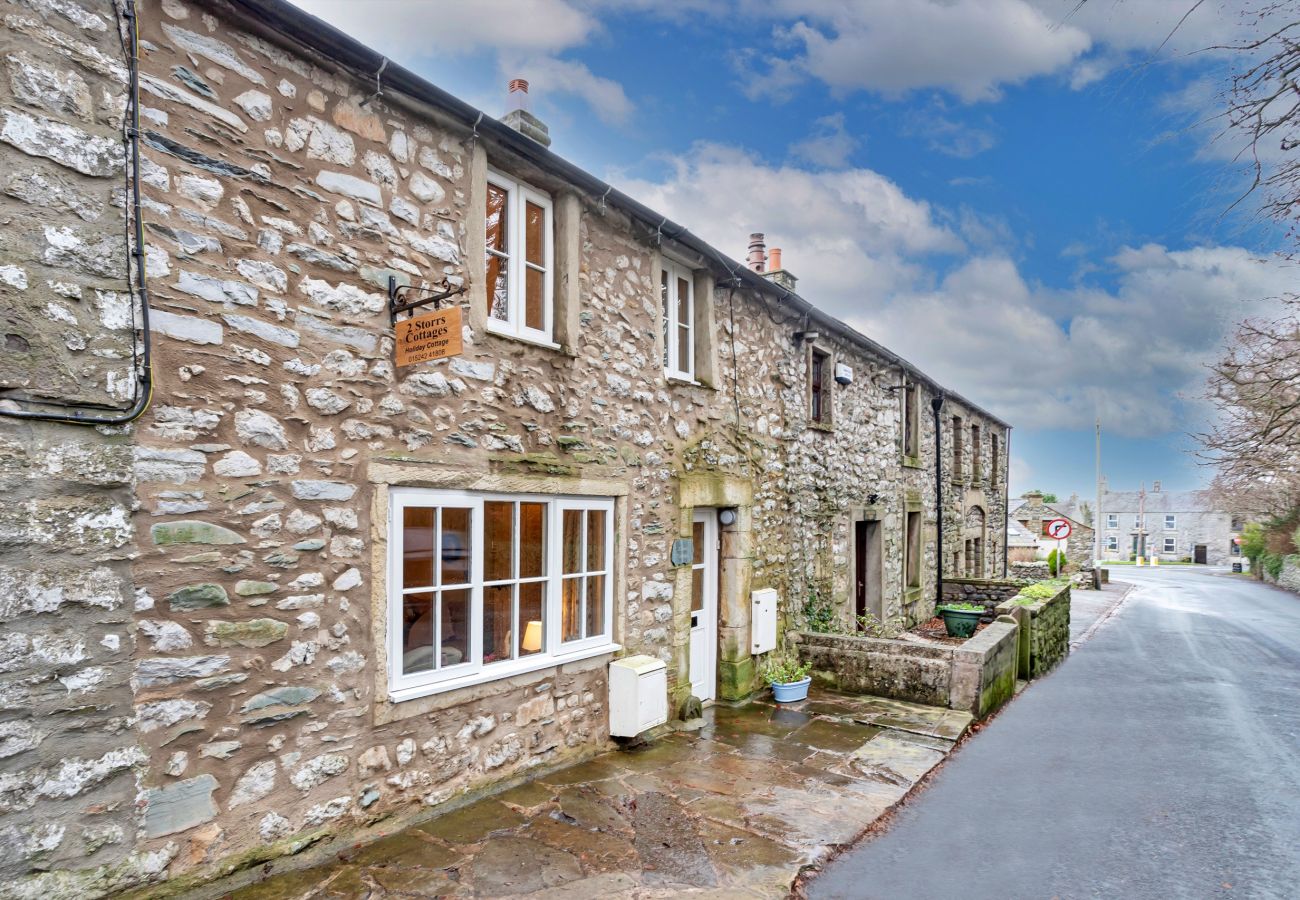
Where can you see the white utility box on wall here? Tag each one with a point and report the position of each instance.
(638, 695)
(762, 620)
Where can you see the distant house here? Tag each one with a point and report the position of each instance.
(1171, 525)
(1021, 545)
(1033, 514)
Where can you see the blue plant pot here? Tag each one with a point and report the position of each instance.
(790, 693)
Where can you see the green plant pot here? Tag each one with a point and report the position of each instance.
(960, 622)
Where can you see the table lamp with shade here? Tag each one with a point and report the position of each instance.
(532, 637)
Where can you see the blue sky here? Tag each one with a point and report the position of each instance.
(1018, 199)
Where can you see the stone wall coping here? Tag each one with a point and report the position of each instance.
(988, 639)
(990, 582)
(1008, 607)
(864, 643)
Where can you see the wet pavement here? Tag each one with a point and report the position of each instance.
(1158, 761)
(1088, 608)
(734, 808)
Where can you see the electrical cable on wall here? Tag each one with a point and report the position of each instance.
(142, 361)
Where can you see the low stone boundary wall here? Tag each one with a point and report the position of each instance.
(984, 669)
(987, 591)
(1289, 577)
(1044, 639)
(977, 676)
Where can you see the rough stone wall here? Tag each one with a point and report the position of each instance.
(277, 207)
(68, 754)
(883, 668)
(984, 669)
(1045, 632)
(989, 593)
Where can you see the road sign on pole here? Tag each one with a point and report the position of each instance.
(1057, 528)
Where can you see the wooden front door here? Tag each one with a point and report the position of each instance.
(1200, 554)
(868, 585)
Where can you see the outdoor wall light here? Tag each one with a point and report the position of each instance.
(727, 516)
(806, 337)
(843, 373)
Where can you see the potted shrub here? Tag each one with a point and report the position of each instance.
(961, 619)
(789, 679)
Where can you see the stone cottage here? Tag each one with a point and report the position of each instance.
(1171, 525)
(1033, 513)
(259, 582)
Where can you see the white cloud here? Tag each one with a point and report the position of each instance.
(1125, 345)
(525, 35)
(849, 235)
(971, 48)
(829, 146)
(416, 28)
(1057, 358)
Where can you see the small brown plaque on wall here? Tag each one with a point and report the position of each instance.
(425, 338)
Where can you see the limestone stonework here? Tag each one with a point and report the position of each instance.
(193, 673)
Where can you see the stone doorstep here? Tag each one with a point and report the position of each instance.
(742, 805)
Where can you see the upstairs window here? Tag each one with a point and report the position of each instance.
(1112, 520)
(519, 260)
(485, 586)
(1171, 523)
(911, 420)
(677, 296)
(819, 393)
(1137, 521)
(994, 459)
(957, 449)
(975, 461)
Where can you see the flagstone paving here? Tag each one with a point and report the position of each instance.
(732, 808)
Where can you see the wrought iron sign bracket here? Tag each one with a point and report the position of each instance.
(397, 302)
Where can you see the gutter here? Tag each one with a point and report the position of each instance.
(299, 27)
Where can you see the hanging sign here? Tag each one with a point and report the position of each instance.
(424, 338)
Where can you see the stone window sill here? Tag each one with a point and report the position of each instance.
(913, 462)
(826, 427)
(521, 667)
(523, 339)
(679, 378)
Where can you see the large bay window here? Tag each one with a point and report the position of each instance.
(520, 260)
(516, 582)
(677, 298)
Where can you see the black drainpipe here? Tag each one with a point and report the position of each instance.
(936, 404)
(1006, 504)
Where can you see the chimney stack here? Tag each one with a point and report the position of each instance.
(776, 273)
(518, 116)
(757, 259)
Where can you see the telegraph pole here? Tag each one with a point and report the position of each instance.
(1096, 516)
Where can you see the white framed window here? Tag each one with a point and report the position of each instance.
(1112, 543)
(1169, 545)
(1171, 523)
(518, 582)
(520, 260)
(1112, 520)
(677, 299)
(1137, 521)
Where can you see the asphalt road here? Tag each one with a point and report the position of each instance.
(1161, 760)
